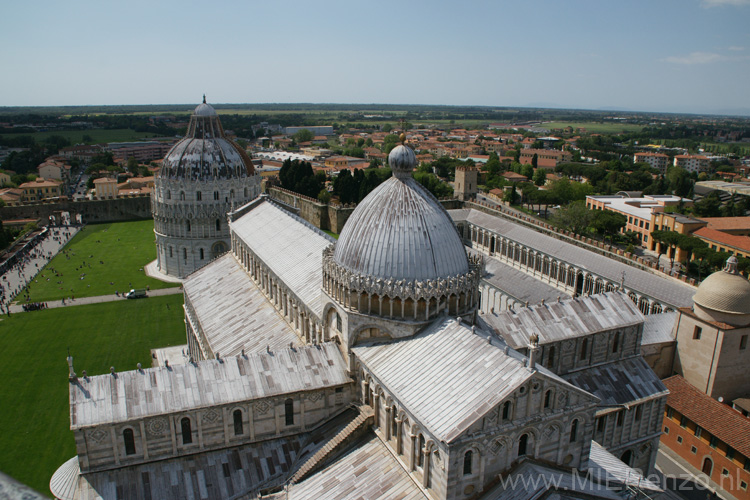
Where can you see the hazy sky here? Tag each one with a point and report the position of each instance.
(651, 55)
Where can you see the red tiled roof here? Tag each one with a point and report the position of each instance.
(727, 223)
(717, 418)
(722, 238)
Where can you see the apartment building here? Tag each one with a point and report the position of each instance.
(692, 163)
(659, 161)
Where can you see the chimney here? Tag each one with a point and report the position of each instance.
(71, 373)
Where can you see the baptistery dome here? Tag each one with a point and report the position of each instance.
(205, 152)
(202, 178)
(401, 231)
(724, 296)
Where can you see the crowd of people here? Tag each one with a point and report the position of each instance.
(24, 264)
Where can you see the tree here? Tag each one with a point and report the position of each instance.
(511, 196)
(527, 171)
(324, 196)
(575, 217)
(535, 160)
(303, 135)
(540, 177)
(708, 206)
(132, 165)
(608, 223)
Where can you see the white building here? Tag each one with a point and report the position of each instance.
(658, 161)
(692, 163)
(202, 178)
(290, 328)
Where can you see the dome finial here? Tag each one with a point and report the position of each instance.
(204, 98)
(731, 266)
(402, 138)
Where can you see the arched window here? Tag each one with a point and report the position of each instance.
(548, 398)
(551, 357)
(245, 192)
(237, 416)
(187, 225)
(198, 195)
(708, 467)
(127, 436)
(506, 410)
(616, 343)
(184, 253)
(420, 446)
(574, 431)
(169, 194)
(218, 224)
(231, 194)
(584, 349)
(523, 443)
(201, 253)
(182, 195)
(627, 457)
(289, 411)
(187, 432)
(216, 195)
(468, 459)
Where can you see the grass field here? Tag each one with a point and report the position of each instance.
(35, 422)
(595, 127)
(97, 135)
(124, 248)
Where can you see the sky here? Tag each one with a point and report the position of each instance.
(683, 56)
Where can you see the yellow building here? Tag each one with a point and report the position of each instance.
(40, 189)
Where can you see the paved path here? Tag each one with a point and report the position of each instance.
(14, 280)
(688, 485)
(52, 304)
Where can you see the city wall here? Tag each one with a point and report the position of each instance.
(92, 211)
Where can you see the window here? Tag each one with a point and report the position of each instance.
(743, 342)
(551, 357)
(693, 450)
(747, 464)
(670, 412)
(216, 195)
(547, 397)
(218, 224)
(713, 442)
(666, 430)
(743, 485)
(289, 412)
(127, 436)
(697, 431)
(201, 253)
(237, 416)
(198, 195)
(523, 443)
(187, 433)
(638, 412)
(420, 447)
(616, 342)
(620, 417)
(506, 410)
(584, 349)
(724, 472)
(245, 192)
(574, 431)
(182, 195)
(683, 421)
(169, 195)
(188, 226)
(679, 439)
(730, 453)
(231, 194)
(600, 424)
(697, 332)
(184, 253)
(170, 251)
(468, 457)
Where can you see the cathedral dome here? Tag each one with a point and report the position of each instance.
(400, 231)
(205, 152)
(726, 292)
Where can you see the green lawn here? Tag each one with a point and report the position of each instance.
(331, 233)
(35, 422)
(596, 127)
(124, 248)
(97, 135)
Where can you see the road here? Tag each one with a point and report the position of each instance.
(52, 304)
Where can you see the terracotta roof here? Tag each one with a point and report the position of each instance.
(727, 223)
(717, 418)
(722, 238)
(512, 176)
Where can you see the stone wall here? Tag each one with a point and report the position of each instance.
(92, 211)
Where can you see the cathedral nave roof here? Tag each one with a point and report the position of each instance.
(233, 312)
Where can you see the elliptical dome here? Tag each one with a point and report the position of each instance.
(205, 152)
(725, 291)
(401, 231)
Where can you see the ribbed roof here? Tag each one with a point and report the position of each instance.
(725, 291)
(401, 231)
(205, 152)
